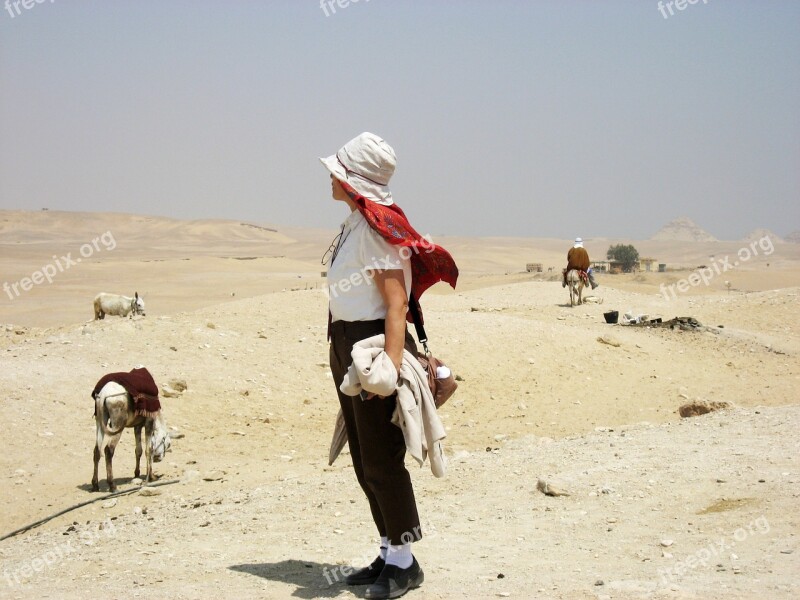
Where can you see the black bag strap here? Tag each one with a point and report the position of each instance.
(413, 306)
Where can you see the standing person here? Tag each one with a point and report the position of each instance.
(578, 258)
(375, 263)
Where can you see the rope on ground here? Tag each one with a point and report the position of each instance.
(79, 505)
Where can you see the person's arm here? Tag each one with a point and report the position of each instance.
(392, 288)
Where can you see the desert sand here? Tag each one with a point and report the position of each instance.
(658, 506)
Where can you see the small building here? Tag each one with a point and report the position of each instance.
(615, 267)
(647, 263)
(600, 265)
(533, 267)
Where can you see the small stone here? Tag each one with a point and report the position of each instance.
(550, 490)
(149, 491)
(190, 475)
(213, 476)
(169, 392)
(599, 582)
(610, 341)
(136, 481)
(211, 325)
(179, 385)
(667, 543)
(109, 503)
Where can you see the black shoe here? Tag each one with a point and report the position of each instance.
(394, 581)
(366, 575)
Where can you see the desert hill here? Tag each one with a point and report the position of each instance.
(762, 233)
(683, 229)
(36, 227)
(185, 265)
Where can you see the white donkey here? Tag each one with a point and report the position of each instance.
(575, 285)
(114, 411)
(112, 304)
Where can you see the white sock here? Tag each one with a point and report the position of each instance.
(384, 546)
(399, 556)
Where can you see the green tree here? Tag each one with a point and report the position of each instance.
(625, 254)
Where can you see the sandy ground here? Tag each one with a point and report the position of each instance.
(659, 507)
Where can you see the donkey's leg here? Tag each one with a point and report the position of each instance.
(149, 425)
(98, 443)
(111, 444)
(95, 482)
(137, 432)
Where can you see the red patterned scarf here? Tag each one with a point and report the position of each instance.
(429, 263)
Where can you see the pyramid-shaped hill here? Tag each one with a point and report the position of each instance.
(761, 233)
(793, 238)
(683, 230)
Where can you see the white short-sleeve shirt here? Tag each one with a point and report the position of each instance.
(351, 286)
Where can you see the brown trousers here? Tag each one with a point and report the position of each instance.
(377, 447)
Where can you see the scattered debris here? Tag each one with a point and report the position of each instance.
(701, 407)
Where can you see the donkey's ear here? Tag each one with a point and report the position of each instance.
(136, 295)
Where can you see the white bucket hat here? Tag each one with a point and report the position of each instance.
(579, 242)
(367, 164)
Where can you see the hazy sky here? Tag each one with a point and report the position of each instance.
(522, 118)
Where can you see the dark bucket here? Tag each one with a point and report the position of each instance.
(611, 316)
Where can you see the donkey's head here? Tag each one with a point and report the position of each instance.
(160, 440)
(137, 305)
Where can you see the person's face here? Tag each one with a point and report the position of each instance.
(337, 191)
